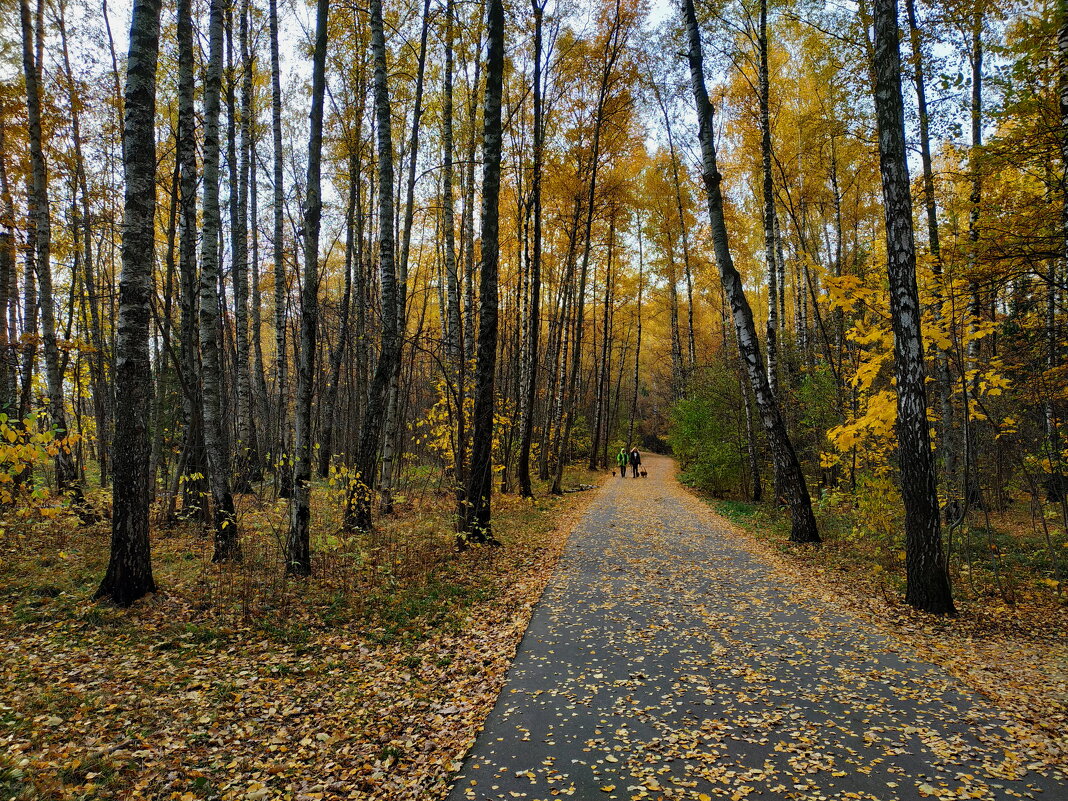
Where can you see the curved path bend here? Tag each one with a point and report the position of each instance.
(666, 661)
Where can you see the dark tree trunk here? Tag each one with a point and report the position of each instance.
(768, 191)
(298, 545)
(803, 522)
(476, 523)
(928, 583)
(337, 354)
(358, 512)
(391, 443)
(226, 541)
(129, 572)
(195, 487)
(280, 449)
(66, 475)
(530, 385)
(457, 364)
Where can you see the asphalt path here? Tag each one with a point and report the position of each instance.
(665, 660)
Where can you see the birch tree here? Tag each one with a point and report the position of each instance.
(928, 584)
(129, 571)
(476, 526)
(803, 522)
(225, 523)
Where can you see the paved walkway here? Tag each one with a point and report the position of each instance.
(664, 661)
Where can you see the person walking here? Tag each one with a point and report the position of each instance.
(635, 460)
(621, 461)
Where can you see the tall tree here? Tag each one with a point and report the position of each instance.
(281, 444)
(358, 513)
(803, 522)
(129, 572)
(454, 329)
(928, 583)
(66, 475)
(530, 386)
(476, 523)
(768, 196)
(393, 413)
(298, 545)
(225, 525)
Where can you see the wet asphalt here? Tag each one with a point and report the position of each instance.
(665, 661)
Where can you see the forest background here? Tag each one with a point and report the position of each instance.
(351, 344)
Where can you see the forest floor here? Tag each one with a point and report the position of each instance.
(367, 681)
(674, 656)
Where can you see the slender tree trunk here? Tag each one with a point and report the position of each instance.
(8, 283)
(298, 544)
(337, 354)
(248, 460)
(614, 44)
(951, 447)
(768, 190)
(476, 524)
(66, 475)
(530, 385)
(638, 348)
(129, 571)
(360, 497)
(457, 363)
(928, 582)
(280, 449)
(195, 486)
(691, 346)
(393, 418)
(226, 541)
(263, 406)
(1056, 487)
(972, 493)
(83, 228)
(468, 222)
(600, 400)
(803, 528)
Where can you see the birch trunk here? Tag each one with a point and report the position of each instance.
(927, 579)
(83, 228)
(195, 486)
(803, 522)
(530, 385)
(476, 522)
(226, 542)
(768, 192)
(248, 469)
(358, 512)
(280, 448)
(454, 333)
(638, 347)
(337, 353)
(66, 475)
(393, 417)
(614, 46)
(298, 544)
(129, 571)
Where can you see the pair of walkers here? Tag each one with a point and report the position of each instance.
(633, 458)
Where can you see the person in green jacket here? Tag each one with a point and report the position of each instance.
(621, 462)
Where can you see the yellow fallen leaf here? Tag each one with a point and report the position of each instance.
(608, 788)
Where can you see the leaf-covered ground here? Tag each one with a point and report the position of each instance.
(366, 683)
(672, 657)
